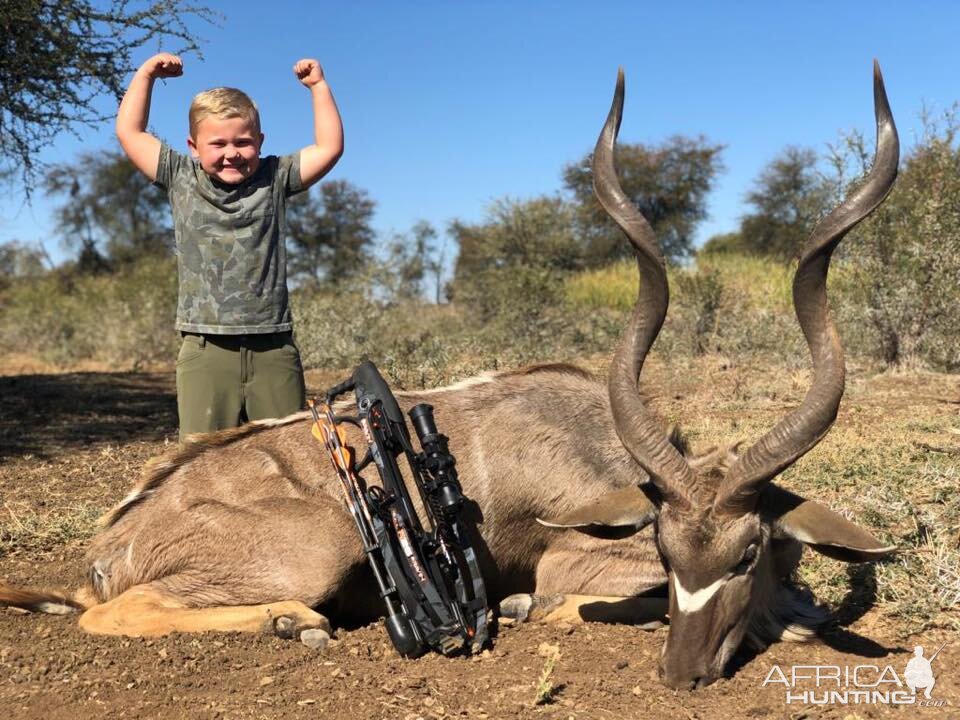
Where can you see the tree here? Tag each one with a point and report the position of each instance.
(330, 235)
(110, 212)
(60, 56)
(515, 260)
(669, 183)
(411, 258)
(788, 197)
(20, 261)
(435, 265)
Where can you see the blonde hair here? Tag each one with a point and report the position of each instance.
(222, 103)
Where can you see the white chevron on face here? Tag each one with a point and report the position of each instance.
(689, 602)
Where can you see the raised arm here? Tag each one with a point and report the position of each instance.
(141, 147)
(317, 159)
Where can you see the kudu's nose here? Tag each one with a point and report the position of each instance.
(684, 680)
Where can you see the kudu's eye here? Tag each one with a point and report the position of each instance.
(746, 562)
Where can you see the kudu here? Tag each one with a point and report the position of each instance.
(238, 528)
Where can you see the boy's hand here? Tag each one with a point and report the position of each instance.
(308, 71)
(163, 65)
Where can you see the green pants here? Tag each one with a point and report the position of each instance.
(225, 380)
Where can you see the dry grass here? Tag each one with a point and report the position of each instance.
(42, 533)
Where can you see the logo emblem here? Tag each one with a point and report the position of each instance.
(918, 674)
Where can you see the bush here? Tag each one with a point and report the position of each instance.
(702, 292)
(125, 319)
(903, 262)
(334, 330)
(414, 343)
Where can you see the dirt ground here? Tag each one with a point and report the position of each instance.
(71, 444)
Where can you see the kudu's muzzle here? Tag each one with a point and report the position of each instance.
(700, 643)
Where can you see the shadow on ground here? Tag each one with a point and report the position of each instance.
(858, 601)
(43, 414)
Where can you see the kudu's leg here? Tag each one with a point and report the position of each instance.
(224, 566)
(148, 611)
(646, 612)
(573, 586)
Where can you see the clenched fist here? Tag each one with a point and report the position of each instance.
(308, 71)
(162, 65)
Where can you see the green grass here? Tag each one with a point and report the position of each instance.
(760, 282)
(613, 287)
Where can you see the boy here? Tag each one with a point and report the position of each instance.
(237, 360)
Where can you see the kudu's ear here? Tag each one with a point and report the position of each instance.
(819, 527)
(614, 515)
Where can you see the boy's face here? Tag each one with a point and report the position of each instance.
(227, 148)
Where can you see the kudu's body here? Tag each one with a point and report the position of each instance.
(243, 526)
(256, 515)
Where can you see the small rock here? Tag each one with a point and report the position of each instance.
(637, 690)
(264, 681)
(307, 701)
(315, 638)
(622, 664)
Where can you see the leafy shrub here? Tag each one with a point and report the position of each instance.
(334, 330)
(903, 262)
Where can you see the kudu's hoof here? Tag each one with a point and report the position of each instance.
(285, 627)
(292, 626)
(652, 625)
(517, 607)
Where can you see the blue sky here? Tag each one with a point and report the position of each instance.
(448, 106)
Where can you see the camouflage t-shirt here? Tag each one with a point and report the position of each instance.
(231, 251)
